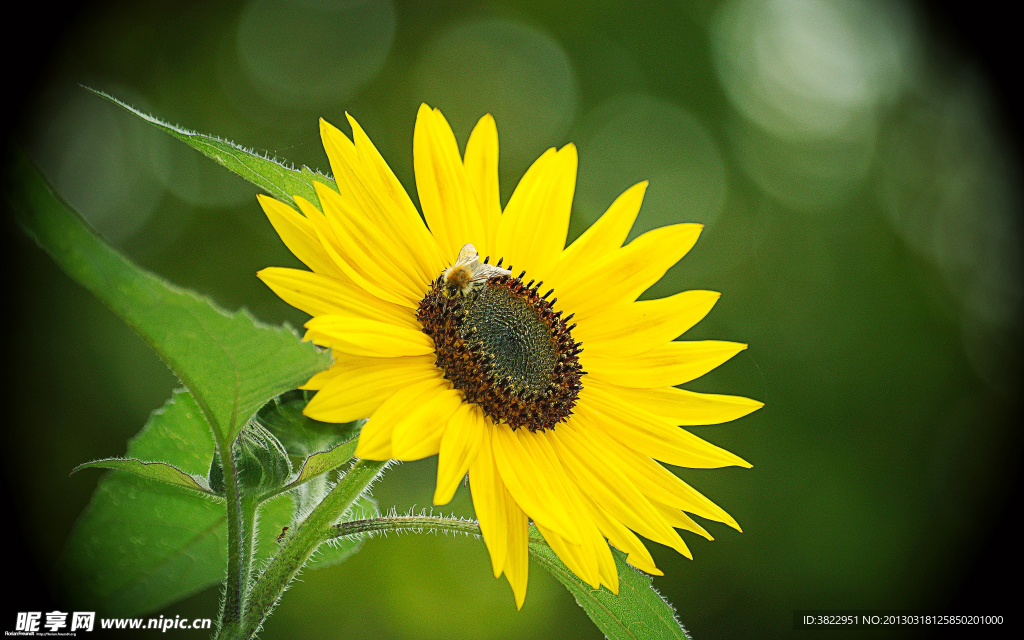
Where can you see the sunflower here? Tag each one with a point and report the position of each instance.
(534, 369)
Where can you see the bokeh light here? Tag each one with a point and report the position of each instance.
(313, 52)
(638, 137)
(516, 73)
(83, 133)
(809, 68)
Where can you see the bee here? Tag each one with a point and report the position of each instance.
(468, 273)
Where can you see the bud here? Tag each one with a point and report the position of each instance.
(260, 460)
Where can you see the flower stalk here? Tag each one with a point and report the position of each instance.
(241, 520)
(397, 524)
(299, 546)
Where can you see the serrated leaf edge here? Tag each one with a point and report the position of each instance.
(201, 485)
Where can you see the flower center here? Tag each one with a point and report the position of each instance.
(504, 347)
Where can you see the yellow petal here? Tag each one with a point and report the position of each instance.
(449, 204)
(606, 568)
(573, 556)
(535, 479)
(350, 257)
(655, 481)
(594, 549)
(591, 560)
(322, 379)
(481, 162)
(686, 408)
(325, 235)
(652, 436)
(318, 295)
(298, 235)
(489, 495)
(370, 189)
(637, 327)
(665, 366)
(342, 156)
(607, 234)
(532, 187)
(624, 540)
(459, 446)
(358, 385)
(362, 337)
(680, 520)
(517, 559)
(611, 489)
(536, 220)
(418, 434)
(375, 437)
(345, 363)
(389, 202)
(371, 249)
(624, 274)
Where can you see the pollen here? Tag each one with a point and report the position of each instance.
(506, 348)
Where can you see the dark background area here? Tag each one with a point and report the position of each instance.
(950, 546)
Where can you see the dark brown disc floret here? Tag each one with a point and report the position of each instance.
(506, 348)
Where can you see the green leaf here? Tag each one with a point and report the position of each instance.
(158, 471)
(231, 363)
(267, 173)
(140, 544)
(316, 176)
(638, 612)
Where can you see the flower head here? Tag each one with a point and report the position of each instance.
(534, 369)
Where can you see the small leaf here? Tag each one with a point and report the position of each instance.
(158, 471)
(320, 463)
(271, 175)
(231, 363)
(141, 545)
(637, 613)
(316, 176)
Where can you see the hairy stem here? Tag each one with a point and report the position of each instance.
(300, 545)
(241, 519)
(414, 524)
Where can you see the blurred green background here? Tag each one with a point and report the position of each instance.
(861, 204)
